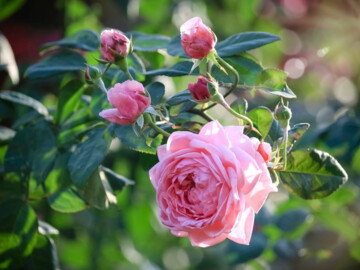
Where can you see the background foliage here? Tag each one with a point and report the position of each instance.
(318, 50)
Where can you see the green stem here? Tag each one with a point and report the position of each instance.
(128, 74)
(149, 120)
(202, 114)
(235, 83)
(123, 65)
(233, 70)
(240, 116)
(285, 137)
(102, 86)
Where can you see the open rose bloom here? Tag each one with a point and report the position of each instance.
(210, 185)
(129, 100)
(197, 39)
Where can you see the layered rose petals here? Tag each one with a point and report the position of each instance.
(210, 185)
(197, 39)
(130, 101)
(113, 42)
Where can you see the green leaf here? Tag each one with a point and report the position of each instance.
(116, 181)
(148, 43)
(67, 201)
(179, 69)
(59, 63)
(356, 161)
(244, 42)
(7, 58)
(273, 81)
(312, 174)
(69, 100)
(245, 64)
(44, 256)
(287, 249)
(297, 131)
(175, 49)
(6, 134)
(8, 7)
(262, 119)
(86, 40)
(88, 155)
(22, 99)
(240, 106)
(156, 91)
(13, 185)
(98, 192)
(275, 131)
(179, 98)
(243, 253)
(59, 176)
(18, 227)
(355, 251)
(33, 149)
(291, 220)
(142, 143)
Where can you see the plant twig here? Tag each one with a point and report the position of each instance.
(149, 121)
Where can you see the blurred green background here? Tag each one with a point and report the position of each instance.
(320, 50)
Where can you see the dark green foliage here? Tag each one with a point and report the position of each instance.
(312, 174)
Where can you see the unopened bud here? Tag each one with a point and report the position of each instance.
(283, 114)
(199, 90)
(92, 73)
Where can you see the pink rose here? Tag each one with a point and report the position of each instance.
(197, 39)
(210, 185)
(113, 41)
(199, 90)
(130, 101)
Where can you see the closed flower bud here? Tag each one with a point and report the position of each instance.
(113, 44)
(92, 73)
(197, 39)
(199, 90)
(283, 114)
(130, 101)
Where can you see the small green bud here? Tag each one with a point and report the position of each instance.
(92, 73)
(283, 114)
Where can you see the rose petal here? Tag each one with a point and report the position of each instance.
(242, 230)
(214, 133)
(200, 239)
(114, 116)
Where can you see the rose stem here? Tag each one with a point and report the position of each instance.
(285, 131)
(201, 113)
(240, 116)
(128, 75)
(149, 120)
(102, 86)
(234, 85)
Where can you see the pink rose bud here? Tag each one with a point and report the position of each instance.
(113, 42)
(210, 185)
(197, 39)
(199, 90)
(130, 101)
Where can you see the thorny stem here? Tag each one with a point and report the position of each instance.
(149, 120)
